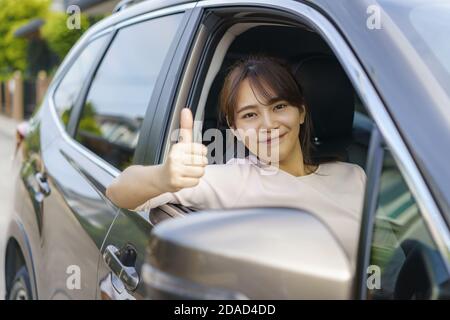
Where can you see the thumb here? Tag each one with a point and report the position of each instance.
(186, 126)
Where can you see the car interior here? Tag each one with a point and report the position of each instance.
(341, 125)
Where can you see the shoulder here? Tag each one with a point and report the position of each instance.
(344, 170)
(340, 165)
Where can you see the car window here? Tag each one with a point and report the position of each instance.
(402, 248)
(122, 87)
(70, 87)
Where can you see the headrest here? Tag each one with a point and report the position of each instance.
(329, 95)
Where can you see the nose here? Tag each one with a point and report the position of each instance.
(269, 121)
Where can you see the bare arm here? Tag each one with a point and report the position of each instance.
(136, 185)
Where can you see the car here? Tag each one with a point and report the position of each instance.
(376, 75)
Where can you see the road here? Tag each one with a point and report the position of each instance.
(7, 140)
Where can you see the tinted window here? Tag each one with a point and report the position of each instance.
(122, 88)
(402, 247)
(70, 87)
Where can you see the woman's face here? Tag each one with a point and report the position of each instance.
(269, 131)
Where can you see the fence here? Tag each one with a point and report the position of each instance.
(19, 97)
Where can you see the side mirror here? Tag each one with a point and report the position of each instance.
(264, 253)
(21, 133)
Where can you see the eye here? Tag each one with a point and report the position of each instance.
(280, 106)
(249, 115)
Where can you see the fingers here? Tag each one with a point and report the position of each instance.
(184, 177)
(195, 160)
(193, 148)
(193, 172)
(186, 126)
(188, 154)
(189, 182)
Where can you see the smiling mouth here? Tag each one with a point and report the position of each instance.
(270, 140)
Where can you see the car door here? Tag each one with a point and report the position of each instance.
(76, 214)
(400, 255)
(157, 63)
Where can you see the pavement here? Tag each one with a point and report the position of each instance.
(7, 145)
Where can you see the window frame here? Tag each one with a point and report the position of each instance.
(111, 31)
(374, 169)
(198, 59)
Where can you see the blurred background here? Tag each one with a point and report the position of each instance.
(34, 39)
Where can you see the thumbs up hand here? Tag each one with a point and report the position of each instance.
(186, 162)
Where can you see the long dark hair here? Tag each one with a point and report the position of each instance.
(264, 72)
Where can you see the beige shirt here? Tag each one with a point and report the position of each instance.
(334, 193)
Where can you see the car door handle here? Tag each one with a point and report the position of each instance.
(42, 182)
(126, 273)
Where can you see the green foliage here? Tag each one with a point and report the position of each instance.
(65, 117)
(87, 122)
(13, 14)
(59, 37)
(89, 125)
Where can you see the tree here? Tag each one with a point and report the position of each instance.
(14, 14)
(58, 36)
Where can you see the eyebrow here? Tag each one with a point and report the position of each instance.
(250, 106)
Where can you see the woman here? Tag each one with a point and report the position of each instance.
(264, 108)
